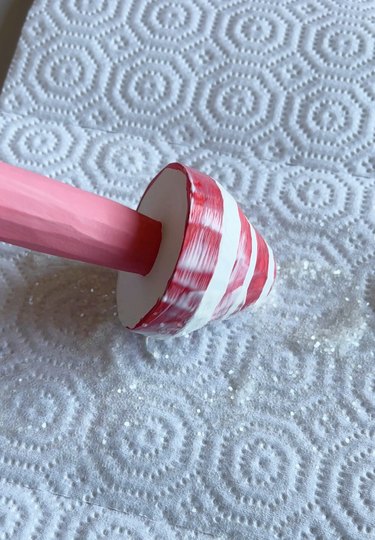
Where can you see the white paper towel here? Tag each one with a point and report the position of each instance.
(259, 427)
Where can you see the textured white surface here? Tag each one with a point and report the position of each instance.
(258, 427)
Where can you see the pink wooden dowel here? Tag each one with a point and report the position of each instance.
(52, 217)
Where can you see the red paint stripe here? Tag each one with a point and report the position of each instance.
(240, 268)
(260, 275)
(180, 301)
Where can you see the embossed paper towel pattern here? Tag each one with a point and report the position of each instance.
(291, 82)
(259, 427)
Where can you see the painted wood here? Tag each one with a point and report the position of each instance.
(48, 216)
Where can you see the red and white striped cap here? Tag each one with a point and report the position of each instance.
(211, 263)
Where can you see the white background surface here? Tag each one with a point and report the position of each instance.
(259, 427)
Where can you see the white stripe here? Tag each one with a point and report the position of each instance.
(241, 293)
(231, 231)
(270, 275)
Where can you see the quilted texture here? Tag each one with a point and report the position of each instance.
(259, 427)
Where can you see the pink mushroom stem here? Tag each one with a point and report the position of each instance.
(48, 216)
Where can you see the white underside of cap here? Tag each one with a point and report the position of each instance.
(166, 200)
